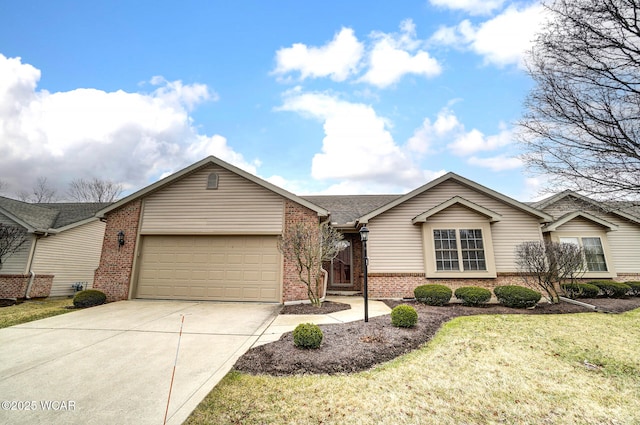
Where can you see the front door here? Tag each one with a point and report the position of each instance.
(341, 267)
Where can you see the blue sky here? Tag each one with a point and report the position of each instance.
(327, 97)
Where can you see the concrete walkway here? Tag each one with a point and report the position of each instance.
(113, 364)
(287, 322)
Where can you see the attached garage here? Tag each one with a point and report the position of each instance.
(208, 232)
(214, 268)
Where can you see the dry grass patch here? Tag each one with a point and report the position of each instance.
(555, 369)
(33, 310)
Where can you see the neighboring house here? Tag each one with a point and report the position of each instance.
(62, 248)
(210, 232)
(609, 234)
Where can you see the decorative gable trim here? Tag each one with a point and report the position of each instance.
(542, 216)
(457, 200)
(545, 203)
(203, 163)
(552, 227)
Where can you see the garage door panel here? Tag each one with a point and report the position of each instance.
(225, 268)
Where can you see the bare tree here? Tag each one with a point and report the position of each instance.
(94, 190)
(546, 265)
(11, 240)
(3, 186)
(308, 246)
(581, 127)
(41, 192)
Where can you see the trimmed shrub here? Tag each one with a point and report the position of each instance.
(611, 289)
(307, 335)
(473, 295)
(404, 316)
(433, 294)
(89, 298)
(517, 296)
(580, 290)
(635, 288)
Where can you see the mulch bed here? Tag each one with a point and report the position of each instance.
(325, 308)
(356, 346)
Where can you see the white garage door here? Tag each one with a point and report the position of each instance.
(217, 268)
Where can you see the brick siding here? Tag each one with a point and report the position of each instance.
(113, 275)
(15, 285)
(292, 288)
(401, 285)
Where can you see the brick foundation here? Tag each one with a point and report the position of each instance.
(113, 275)
(401, 285)
(292, 288)
(15, 286)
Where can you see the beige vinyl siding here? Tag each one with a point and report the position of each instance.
(71, 256)
(17, 262)
(624, 243)
(396, 244)
(238, 206)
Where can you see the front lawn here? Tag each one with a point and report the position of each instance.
(517, 369)
(33, 310)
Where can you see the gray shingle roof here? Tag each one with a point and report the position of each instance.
(44, 216)
(347, 208)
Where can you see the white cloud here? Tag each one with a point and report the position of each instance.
(357, 144)
(392, 56)
(502, 40)
(497, 163)
(128, 138)
(473, 7)
(468, 143)
(337, 59)
(428, 134)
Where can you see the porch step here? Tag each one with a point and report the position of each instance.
(344, 293)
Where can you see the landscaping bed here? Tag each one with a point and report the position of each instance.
(357, 346)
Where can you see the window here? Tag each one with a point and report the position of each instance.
(594, 255)
(593, 252)
(451, 245)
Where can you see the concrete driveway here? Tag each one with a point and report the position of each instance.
(112, 364)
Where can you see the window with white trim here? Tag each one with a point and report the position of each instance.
(593, 252)
(459, 250)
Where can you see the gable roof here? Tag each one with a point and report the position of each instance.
(345, 209)
(551, 227)
(542, 216)
(457, 200)
(603, 206)
(48, 217)
(211, 160)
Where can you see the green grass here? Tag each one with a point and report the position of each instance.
(33, 310)
(513, 369)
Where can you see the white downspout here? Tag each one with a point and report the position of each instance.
(29, 265)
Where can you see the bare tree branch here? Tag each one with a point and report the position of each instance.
(308, 246)
(11, 240)
(546, 265)
(581, 127)
(41, 192)
(94, 190)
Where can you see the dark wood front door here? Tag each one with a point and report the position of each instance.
(341, 268)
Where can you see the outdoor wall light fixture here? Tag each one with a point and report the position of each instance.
(364, 237)
(120, 238)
